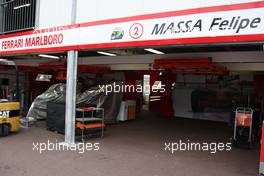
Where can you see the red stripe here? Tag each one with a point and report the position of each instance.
(199, 40)
(220, 8)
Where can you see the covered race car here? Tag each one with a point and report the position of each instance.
(53, 101)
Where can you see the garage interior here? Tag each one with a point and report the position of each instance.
(228, 75)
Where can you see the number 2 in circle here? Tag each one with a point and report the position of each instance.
(136, 31)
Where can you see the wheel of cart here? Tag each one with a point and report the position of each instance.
(242, 136)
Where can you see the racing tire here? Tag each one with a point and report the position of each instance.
(1, 130)
(5, 130)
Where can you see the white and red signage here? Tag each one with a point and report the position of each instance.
(218, 24)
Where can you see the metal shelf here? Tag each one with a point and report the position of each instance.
(90, 120)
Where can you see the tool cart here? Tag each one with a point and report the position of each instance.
(243, 127)
(91, 122)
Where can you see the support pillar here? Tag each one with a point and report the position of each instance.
(72, 66)
(72, 63)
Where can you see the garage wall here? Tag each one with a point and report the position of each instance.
(211, 99)
(58, 12)
(105, 9)
(54, 13)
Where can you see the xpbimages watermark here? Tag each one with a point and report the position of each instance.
(42, 147)
(116, 88)
(212, 147)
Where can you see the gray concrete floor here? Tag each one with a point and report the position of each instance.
(130, 149)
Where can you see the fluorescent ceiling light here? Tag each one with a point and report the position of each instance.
(155, 99)
(105, 53)
(49, 56)
(154, 51)
(21, 6)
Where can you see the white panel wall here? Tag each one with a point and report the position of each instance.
(58, 12)
(109, 9)
(54, 13)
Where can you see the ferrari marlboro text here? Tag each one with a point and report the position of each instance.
(34, 41)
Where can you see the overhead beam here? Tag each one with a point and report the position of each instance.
(217, 57)
(244, 67)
